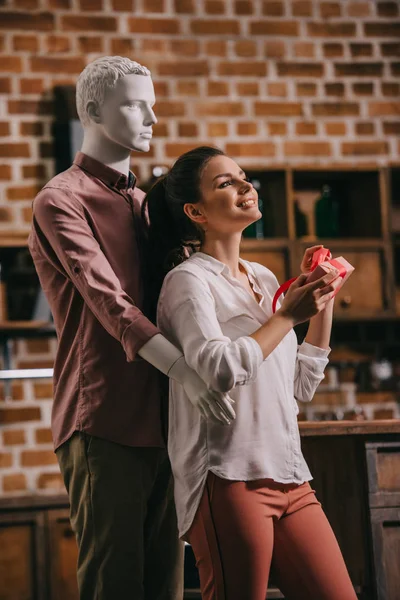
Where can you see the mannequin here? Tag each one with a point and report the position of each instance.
(108, 415)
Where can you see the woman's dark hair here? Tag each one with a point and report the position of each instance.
(171, 236)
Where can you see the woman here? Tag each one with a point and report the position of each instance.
(241, 490)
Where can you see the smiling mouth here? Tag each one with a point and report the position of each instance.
(247, 204)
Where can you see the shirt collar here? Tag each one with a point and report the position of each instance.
(107, 175)
(217, 267)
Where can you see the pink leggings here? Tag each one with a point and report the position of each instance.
(242, 527)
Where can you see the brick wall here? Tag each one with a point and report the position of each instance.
(269, 81)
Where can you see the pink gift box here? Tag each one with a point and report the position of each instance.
(341, 264)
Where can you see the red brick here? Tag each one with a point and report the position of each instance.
(14, 482)
(391, 127)
(273, 9)
(173, 150)
(85, 24)
(5, 174)
(387, 9)
(277, 89)
(31, 128)
(184, 68)
(276, 28)
(302, 8)
(4, 128)
(5, 459)
(390, 89)
(335, 128)
(154, 45)
(31, 86)
(27, 214)
(390, 49)
(363, 89)
(11, 64)
(36, 172)
(43, 390)
(277, 128)
(214, 7)
(304, 49)
(170, 109)
(188, 88)
(26, 192)
(44, 64)
(50, 481)
(333, 50)
(334, 89)
(61, 4)
(6, 215)
(37, 346)
(13, 437)
(185, 6)
(365, 128)
(185, 47)
(122, 5)
(154, 6)
(284, 109)
(5, 85)
(14, 150)
(90, 44)
(188, 130)
(245, 48)
(122, 46)
(274, 49)
(384, 109)
(28, 21)
(360, 49)
(26, 4)
(219, 109)
(35, 364)
(297, 69)
(215, 47)
(363, 69)
(243, 7)
(382, 29)
(213, 27)
(307, 149)
(330, 9)
(247, 128)
(254, 149)
(217, 88)
(364, 148)
(243, 68)
(217, 129)
(359, 9)
(30, 107)
(91, 5)
(43, 436)
(58, 43)
(36, 458)
(333, 109)
(331, 29)
(248, 89)
(161, 129)
(161, 88)
(25, 43)
(305, 128)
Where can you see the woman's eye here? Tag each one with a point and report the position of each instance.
(225, 183)
(247, 179)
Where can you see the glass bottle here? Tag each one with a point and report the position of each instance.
(327, 214)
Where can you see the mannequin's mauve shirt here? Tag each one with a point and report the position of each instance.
(85, 243)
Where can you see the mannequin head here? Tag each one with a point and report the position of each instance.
(115, 99)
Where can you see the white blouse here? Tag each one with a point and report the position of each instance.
(210, 316)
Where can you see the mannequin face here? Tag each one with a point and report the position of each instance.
(126, 116)
(229, 202)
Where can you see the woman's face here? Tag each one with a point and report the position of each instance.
(229, 203)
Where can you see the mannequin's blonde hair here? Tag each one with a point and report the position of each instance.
(100, 75)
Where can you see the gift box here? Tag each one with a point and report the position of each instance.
(321, 264)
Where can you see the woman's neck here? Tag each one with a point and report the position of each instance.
(226, 250)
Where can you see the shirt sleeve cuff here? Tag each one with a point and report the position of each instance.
(255, 349)
(136, 335)
(313, 351)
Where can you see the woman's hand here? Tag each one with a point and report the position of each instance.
(307, 258)
(304, 300)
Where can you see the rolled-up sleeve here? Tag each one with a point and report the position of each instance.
(187, 314)
(59, 221)
(309, 372)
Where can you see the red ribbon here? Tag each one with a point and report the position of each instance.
(318, 257)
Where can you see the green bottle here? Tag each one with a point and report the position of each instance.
(327, 214)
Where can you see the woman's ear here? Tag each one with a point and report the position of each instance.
(92, 109)
(193, 211)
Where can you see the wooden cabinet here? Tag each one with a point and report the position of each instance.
(64, 555)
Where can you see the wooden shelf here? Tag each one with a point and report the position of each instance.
(19, 240)
(319, 428)
(17, 325)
